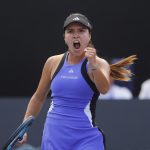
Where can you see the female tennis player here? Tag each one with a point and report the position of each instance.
(75, 80)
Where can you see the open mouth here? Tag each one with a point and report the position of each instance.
(76, 44)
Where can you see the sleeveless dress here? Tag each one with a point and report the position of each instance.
(70, 122)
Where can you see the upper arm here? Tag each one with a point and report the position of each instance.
(44, 83)
(104, 67)
(101, 76)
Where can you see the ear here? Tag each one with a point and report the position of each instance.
(90, 36)
(64, 38)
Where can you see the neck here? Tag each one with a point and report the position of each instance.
(72, 59)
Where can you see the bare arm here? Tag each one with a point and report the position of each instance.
(101, 75)
(38, 98)
(98, 70)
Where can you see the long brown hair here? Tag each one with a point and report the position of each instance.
(119, 70)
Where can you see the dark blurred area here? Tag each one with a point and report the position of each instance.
(31, 31)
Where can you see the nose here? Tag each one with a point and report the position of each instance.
(76, 35)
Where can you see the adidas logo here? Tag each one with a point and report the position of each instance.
(71, 71)
(76, 18)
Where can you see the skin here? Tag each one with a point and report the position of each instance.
(100, 75)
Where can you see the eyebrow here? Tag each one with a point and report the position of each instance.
(81, 27)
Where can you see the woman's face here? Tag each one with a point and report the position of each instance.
(77, 38)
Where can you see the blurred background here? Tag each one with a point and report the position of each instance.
(31, 31)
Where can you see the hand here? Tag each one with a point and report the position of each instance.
(24, 140)
(90, 54)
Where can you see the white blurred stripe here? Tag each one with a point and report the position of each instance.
(87, 111)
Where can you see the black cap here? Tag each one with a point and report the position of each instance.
(76, 17)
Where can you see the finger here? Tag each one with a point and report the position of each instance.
(91, 49)
(24, 140)
(90, 53)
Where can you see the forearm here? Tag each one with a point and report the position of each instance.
(34, 106)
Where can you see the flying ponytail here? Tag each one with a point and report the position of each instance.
(119, 70)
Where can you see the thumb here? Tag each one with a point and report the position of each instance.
(24, 139)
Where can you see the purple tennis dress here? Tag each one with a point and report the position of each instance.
(70, 120)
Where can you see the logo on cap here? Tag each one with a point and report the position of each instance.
(76, 18)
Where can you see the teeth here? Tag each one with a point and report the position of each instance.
(76, 42)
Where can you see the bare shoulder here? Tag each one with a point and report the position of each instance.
(53, 62)
(102, 61)
(54, 59)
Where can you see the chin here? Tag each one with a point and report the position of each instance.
(78, 52)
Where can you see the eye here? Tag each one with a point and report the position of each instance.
(69, 30)
(81, 30)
